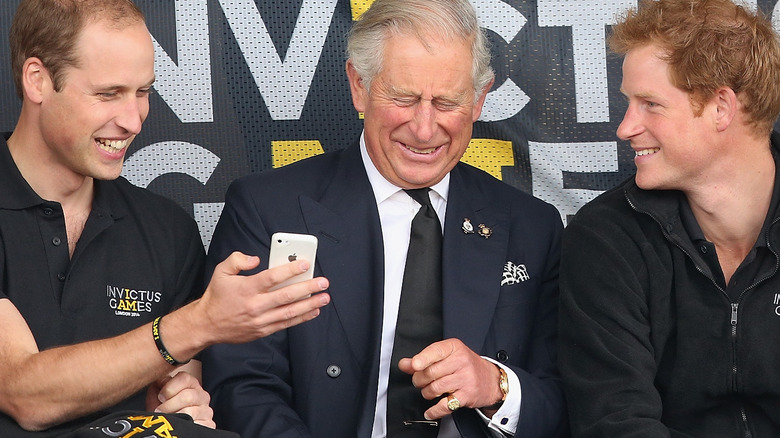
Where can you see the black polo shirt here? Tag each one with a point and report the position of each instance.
(140, 256)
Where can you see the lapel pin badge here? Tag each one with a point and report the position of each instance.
(484, 231)
(467, 227)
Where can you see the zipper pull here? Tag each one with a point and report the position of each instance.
(734, 307)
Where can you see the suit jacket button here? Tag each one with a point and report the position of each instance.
(334, 371)
(502, 356)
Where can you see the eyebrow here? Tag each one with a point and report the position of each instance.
(643, 95)
(124, 86)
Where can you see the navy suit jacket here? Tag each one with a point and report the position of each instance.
(319, 379)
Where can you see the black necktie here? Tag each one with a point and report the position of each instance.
(419, 321)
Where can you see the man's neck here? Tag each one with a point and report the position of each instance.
(732, 212)
(48, 177)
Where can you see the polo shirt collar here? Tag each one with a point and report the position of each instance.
(15, 192)
(107, 199)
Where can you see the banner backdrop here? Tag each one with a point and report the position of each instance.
(247, 85)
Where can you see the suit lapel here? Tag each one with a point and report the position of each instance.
(345, 221)
(473, 264)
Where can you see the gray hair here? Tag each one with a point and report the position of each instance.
(450, 19)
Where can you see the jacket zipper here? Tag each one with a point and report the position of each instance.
(734, 309)
(745, 422)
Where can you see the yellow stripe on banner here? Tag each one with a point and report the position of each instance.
(289, 151)
(489, 155)
(358, 7)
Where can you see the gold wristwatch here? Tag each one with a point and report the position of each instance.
(503, 382)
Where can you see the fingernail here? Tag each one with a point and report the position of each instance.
(323, 284)
(324, 298)
(303, 266)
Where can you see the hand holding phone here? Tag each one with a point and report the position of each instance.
(289, 247)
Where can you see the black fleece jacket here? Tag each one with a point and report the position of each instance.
(651, 344)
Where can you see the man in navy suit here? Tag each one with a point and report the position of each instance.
(419, 72)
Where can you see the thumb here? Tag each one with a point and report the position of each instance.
(405, 365)
(236, 263)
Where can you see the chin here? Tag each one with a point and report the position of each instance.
(107, 175)
(649, 184)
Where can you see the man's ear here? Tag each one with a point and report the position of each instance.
(726, 107)
(477, 110)
(35, 79)
(357, 88)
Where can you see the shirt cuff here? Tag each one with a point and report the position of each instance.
(504, 421)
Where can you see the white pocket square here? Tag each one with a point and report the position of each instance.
(514, 274)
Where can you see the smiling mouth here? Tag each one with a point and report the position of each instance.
(421, 151)
(112, 146)
(644, 152)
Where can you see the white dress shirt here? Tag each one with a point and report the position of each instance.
(396, 211)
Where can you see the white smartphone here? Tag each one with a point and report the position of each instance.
(289, 247)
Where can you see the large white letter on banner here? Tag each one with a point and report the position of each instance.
(283, 85)
(588, 20)
(506, 21)
(186, 88)
(168, 157)
(550, 160)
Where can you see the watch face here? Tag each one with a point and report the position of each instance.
(503, 383)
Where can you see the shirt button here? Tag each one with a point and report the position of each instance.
(48, 211)
(56, 241)
(61, 276)
(703, 249)
(502, 356)
(334, 371)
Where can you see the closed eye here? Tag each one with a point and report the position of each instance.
(446, 105)
(405, 101)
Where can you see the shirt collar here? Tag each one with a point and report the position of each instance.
(15, 192)
(383, 188)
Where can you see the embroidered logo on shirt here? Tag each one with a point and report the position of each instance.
(131, 302)
(514, 274)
